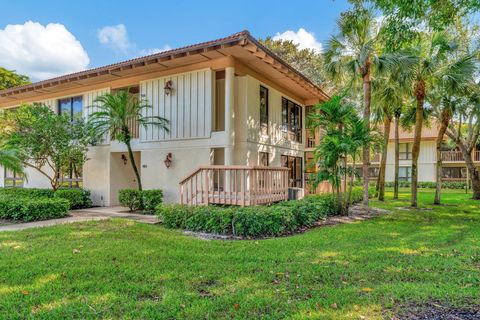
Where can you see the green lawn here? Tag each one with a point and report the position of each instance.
(121, 269)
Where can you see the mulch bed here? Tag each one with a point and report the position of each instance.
(437, 311)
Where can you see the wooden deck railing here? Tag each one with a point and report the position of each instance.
(234, 185)
(134, 128)
(452, 156)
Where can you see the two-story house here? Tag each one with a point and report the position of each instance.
(236, 112)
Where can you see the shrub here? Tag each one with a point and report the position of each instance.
(259, 221)
(151, 199)
(78, 198)
(31, 209)
(130, 198)
(27, 192)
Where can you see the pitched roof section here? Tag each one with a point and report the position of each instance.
(242, 39)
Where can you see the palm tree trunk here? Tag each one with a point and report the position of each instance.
(417, 136)
(134, 165)
(350, 187)
(367, 92)
(443, 128)
(383, 163)
(397, 157)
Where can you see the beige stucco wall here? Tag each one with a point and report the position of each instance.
(426, 162)
(155, 175)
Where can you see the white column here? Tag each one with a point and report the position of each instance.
(229, 113)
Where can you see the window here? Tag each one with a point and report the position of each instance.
(263, 110)
(405, 151)
(72, 107)
(12, 179)
(263, 159)
(291, 120)
(405, 173)
(373, 172)
(454, 172)
(72, 177)
(295, 165)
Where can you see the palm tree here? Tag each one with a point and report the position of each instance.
(114, 114)
(426, 66)
(354, 56)
(9, 160)
(344, 133)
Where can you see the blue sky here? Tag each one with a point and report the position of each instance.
(67, 36)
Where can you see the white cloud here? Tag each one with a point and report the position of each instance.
(41, 52)
(146, 52)
(302, 37)
(116, 37)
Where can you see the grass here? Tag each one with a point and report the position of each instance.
(122, 269)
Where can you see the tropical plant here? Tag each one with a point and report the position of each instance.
(344, 133)
(45, 141)
(113, 114)
(9, 160)
(354, 56)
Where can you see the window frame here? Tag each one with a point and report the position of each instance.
(261, 154)
(14, 179)
(407, 152)
(263, 120)
(71, 101)
(408, 176)
(290, 108)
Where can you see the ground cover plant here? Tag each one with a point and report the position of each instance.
(364, 270)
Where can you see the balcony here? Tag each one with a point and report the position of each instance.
(457, 156)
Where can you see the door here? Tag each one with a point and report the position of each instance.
(295, 166)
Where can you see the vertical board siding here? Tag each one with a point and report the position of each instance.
(89, 107)
(188, 107)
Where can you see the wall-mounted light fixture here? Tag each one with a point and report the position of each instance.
(168, 87)
(168, 160)
(124, 159)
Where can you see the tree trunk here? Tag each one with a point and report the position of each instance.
(397, 157)
(420, 97)
(445, 118)
(351, 182)
(472, 170)
(383, 163)
(134, 165)
(367, 92)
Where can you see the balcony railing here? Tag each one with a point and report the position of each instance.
(452, 156)
(134, 128)
(235, 185)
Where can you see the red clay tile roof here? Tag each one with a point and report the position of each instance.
(237, 37)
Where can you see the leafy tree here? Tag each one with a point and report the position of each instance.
(114, 115)
(307, 61)
(10, 79)
(402, 17)
(464, 130)
(45, 141)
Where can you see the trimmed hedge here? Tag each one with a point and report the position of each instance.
(78, 198)
(146, 200)
(31, 209)
(27, 192)
(260, 221)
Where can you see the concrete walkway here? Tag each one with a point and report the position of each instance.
(91, 214)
